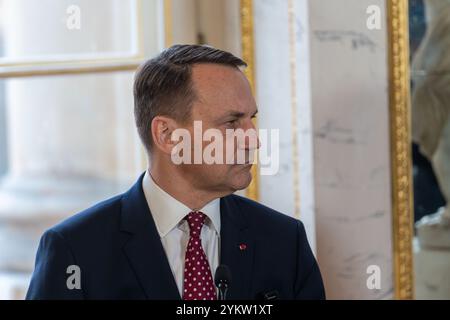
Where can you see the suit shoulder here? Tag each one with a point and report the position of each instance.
(92, 219)
(257, 211)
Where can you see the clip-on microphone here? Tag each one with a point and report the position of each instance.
(222, 280)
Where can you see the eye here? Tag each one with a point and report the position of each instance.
(231, 122)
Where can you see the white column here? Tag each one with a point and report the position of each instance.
(283, 95)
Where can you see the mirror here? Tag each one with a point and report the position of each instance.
(429, 22)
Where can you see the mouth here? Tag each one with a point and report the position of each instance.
(246, 165)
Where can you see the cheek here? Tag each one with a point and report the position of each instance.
(223, 172)
(229, 150)
(213, 171)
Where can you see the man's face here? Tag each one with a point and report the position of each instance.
(224, 101)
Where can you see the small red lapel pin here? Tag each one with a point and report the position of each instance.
(242, 246)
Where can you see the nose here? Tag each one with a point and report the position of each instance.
(251, 141)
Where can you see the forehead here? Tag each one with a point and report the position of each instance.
(221, 85)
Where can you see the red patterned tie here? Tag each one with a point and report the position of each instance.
(198, 281)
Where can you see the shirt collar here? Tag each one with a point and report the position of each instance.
(168, 212)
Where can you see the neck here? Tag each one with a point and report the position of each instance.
(181, 188)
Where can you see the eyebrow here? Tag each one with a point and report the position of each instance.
(237, 114)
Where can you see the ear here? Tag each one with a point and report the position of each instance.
(162, 129)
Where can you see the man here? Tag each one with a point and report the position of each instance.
(165, 237)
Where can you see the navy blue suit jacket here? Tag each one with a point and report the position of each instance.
(120, 255)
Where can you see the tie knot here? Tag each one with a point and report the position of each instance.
(195, 219)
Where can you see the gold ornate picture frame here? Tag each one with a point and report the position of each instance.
(247, 41)
(401, 161)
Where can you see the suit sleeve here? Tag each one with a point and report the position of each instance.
(308, 285)
(49, 279)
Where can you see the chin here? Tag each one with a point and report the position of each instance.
(242, 180)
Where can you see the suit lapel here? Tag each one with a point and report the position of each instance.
(147, 258)
(144, 249)
(237, 248)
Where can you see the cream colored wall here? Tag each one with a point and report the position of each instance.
(218, 21)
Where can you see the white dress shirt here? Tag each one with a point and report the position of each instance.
(173, 230)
